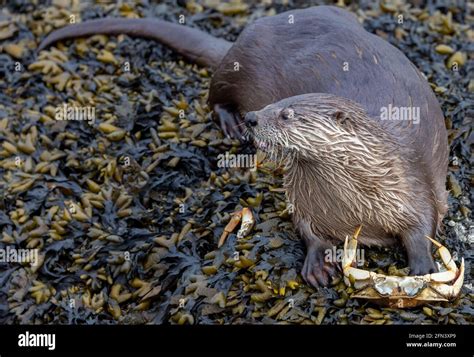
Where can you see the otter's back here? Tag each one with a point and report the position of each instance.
(325, 50)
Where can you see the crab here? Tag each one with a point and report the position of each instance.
(246, 216)
(402, 292)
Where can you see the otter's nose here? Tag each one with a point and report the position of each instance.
(251, 119)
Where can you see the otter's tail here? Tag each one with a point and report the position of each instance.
(195, 45)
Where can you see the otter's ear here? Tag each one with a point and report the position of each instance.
(287, 113)
(340, 117)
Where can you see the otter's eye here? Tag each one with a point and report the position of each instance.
(287, 114)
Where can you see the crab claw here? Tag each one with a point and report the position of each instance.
(451, 268)
(247, 223)
(450, 292)
(245, 215)
(452, 273)
(350, 249)
(359, 278)
(229, 228)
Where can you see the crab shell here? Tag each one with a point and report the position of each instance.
(401, 292)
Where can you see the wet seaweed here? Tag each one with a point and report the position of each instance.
(126, 212)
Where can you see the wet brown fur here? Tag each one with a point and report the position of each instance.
(344, 168)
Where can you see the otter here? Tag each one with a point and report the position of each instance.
(323, 50)
(345, 168)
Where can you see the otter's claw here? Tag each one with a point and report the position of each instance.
(231, 123)
(316, 271)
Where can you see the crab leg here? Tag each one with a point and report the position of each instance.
(451, 268)
(350, 249)
(451, 291)
(351, 274)
(245, 215)
(229, 228)
(459, 281)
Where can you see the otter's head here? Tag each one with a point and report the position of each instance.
(314, 126)
(334, 151)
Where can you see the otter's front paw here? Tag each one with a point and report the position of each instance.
(316, 271)
(422, 265)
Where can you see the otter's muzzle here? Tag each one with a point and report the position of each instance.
(250, 119)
